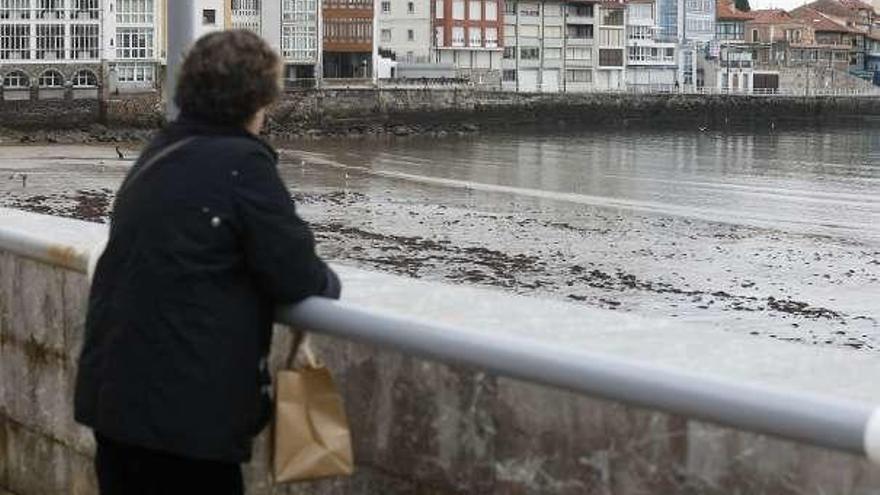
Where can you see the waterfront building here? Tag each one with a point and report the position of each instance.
(690, 24)
(832, 44)
(733, 67)
(858, 17)
(651, 63)
(292, 27)
(405, 33)
(348, 34)
(548, 46)
(50, 46)
(468, 35)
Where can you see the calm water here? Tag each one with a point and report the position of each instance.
(819, 182)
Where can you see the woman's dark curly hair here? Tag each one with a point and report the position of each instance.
(227, 77)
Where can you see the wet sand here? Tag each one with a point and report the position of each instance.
(770, 277)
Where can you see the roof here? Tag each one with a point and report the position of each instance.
(725, 10)
(771, 16)
(837, 8)
(821, 22)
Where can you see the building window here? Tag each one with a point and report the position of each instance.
(410, 8)
(50, 41)
(529, 31)
(552, 53)
(475, 10)
(15, 9)
(85, 9)
(299, 43)
(579, 76)
(552, 32)
(754, 35)
(579, 53)
(16, 80)
(611, 37)
(85, 79)
(509, 8)
(209, 17)
(134, 11)
(50, 9)
(134, 43)
(611, 58)
(410, 35)
(529, 53)
(15, 42)
(508, 75)
(643, 11)
(580, 10)
(385, 35)
(438, 8)
(84, 41)
(579, 32)
(457, 36)
(476, 36)
(51, 79)
(136, 73)
(491, 11)
(613, 18)
(529, 10)
(509, 52)
(458, 10)
(386, 7)
(640, 32)
(440, 39)
(491, 37)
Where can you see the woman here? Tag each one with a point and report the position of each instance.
(204, 243)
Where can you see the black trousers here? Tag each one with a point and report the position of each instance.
(128, 470)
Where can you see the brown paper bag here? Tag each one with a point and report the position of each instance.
(312, 438)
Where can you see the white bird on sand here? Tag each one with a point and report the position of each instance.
(703, 128)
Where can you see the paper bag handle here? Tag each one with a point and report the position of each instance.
(301, 341)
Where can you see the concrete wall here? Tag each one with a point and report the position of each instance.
(419, 427)
(365, 110)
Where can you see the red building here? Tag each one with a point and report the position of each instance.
(468, 34)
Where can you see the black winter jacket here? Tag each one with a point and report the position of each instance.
(203, 245)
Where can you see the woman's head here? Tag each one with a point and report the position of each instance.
(228, 77)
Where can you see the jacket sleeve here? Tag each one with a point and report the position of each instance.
(279, 246)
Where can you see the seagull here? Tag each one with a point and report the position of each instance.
(119, 154)
(703, 128)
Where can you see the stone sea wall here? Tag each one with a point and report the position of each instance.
(353, 112)
(419, 427)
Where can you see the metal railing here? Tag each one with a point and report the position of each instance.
(824, 421)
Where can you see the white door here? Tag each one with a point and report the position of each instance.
(550, 81)
(528, 80)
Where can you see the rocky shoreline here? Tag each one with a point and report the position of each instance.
(98, 134)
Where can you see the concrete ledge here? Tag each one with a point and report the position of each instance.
(422, 427)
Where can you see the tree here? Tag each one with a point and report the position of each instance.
(742, 5)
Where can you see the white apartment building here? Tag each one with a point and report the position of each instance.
(610, 47)
(292, 27)
(651, 64)
(405, 30)
(549, 46)
(134, 43)
(49, 46)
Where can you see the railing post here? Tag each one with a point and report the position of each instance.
(181, 34)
